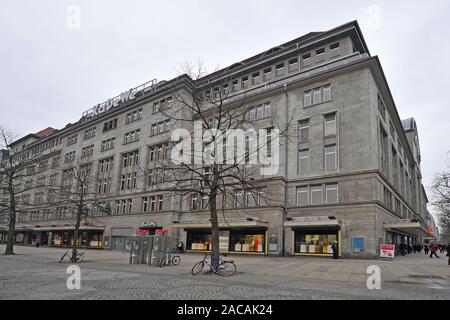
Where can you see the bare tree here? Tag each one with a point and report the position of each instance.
(222, 171)
(441, 190)
(15, 169)
(78, 192)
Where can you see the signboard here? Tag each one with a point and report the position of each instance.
(273, 243)
(123, 98)
(162, 230)
(387, 251)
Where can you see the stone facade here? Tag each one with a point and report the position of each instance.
(359, 168)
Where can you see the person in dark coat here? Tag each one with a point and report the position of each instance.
(434, 249)
(402, 248)
(426, 249)
(335, 249)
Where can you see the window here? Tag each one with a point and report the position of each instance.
(69, 157)
(330, 157)
(303, 131)
(381, 107)
(134, 115)
(87, 151)
(162, 104)
(260, 111)
(358, 244)
(267, 74)
(306, 59)
(317, 96)
(235, 86)
(89, 133)
(279, 69)
(335, 50)
(255, 78)
(108, 144)
(145, 204)
(331, 193)
(320, 54)
(307, 98)
(302, 196)
(330, 125)
(293, 64)
(326, 93)
(72, 140)
(132, 136)
(316, 194)
(55, 162)
(244, 82)
(110, 125)
(303, 161)
(160, 127)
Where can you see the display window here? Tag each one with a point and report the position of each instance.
(199, 240)
(315, 241)
(247, 241)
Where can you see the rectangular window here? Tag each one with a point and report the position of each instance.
(303, 131)
(235, 86)
(279, 69)
(303, 161)
(306, 59)
(302, 196)
(335, 50)
(293, 64)
(330, 125)
(330, 157)
(110, 125)
(244, 82)
(331, 193)
(320, 54)
(326, 93)
(144, 204)
(317, 95)
(316, 194)
(267, 74)
(307, 98)
(255, 78)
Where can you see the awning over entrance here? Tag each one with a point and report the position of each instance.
(229, 223)
(319, 221)
(408, 226)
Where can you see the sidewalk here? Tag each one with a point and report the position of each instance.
(412, 268)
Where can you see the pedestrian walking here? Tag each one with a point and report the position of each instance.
(180, 247)
(426, 249)
(434, 249)
(335, 249)
(402, 248)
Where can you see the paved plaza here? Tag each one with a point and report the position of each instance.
(34, 273)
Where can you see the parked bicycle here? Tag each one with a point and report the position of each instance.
(225, 268)
(170, 259)
(74, 259)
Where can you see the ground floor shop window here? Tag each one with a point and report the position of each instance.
(199, 240)
(315, 241)
(229, 240)
(247, 241)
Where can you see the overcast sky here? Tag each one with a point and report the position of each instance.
(59, 58)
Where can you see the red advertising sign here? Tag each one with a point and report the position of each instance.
(387, 251)
(140, 230)
(162, 230)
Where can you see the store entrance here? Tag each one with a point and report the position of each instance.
(315, 241)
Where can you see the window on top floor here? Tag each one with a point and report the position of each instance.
(306, 59)
(335, 50)
(279, 69)
(267, 74)
(244, 82)
(255, 78)
(320, 54)
(293, 64)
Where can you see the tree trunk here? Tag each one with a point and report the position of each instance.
(76, 234)
(214, 230)
(12, 220)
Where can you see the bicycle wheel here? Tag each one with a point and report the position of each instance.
(176, 260)
(197, 268)
(63, 256)
(226, 269)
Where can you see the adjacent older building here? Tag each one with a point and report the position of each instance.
(349, 173)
